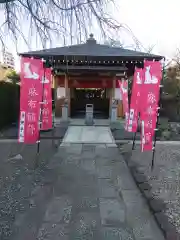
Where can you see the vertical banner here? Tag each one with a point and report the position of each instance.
(149, 102)
(135, 100)
(47, 99)
(30, 98)
(124, 91)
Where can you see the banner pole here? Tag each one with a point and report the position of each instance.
(134, 103)
(53, 129)
(134, 140)
(53, 110)
(157, 122)
(134, 136)
(40, 117)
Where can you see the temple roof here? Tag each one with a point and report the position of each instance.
(91, 49)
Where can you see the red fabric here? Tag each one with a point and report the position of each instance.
(47, 100)
(135, 100)
(149, 102)
(30, 97)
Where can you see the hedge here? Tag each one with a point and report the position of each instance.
(9, 103)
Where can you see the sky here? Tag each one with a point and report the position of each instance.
(154, 22)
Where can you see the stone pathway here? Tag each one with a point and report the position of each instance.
(87, 193)
(89, 134)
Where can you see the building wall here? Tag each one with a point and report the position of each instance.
(8, 59)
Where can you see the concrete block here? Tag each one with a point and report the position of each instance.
(139, 177)
(157, 205)
(145, 186)
(164, 223)
(148, 194)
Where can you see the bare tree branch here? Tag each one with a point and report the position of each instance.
(150, 48)
(62, 19)
(65, 18)
(176, 59)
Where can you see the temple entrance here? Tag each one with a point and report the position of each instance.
(95, 96)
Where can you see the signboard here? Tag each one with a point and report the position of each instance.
(30, 98)
(135, 100)
(47, 99)
(149, 102)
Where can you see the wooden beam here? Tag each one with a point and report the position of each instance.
(91, 68)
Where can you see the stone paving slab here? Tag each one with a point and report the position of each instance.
(112, 212)
(49, 231)
(110, 233)
(106, 189)
(88, 134)
(86, 226)
(88, 201)
(59, 210)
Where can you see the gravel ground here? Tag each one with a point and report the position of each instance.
(164, 178)
(18, 177)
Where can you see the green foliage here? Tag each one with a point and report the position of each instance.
(171, 94)
(14, 76)
(9, 103)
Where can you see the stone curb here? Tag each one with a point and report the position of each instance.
(156, 206)
(125, 141)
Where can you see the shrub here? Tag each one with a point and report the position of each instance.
(9, 103)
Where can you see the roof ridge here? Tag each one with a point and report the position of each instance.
(95, 50)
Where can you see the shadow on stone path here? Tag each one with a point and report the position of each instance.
(87, 193)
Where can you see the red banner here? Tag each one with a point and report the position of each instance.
(47, 100)
(135, 100)
(149, 102)
(124, 91)
(30, 98)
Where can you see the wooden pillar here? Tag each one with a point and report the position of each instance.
(67, 93)
(120, 109)
(112, 94)
(114, 86)
(66, 85)
(54, 82)
(54, 87)
(58, 102)
(120, 112)
(119, 102)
